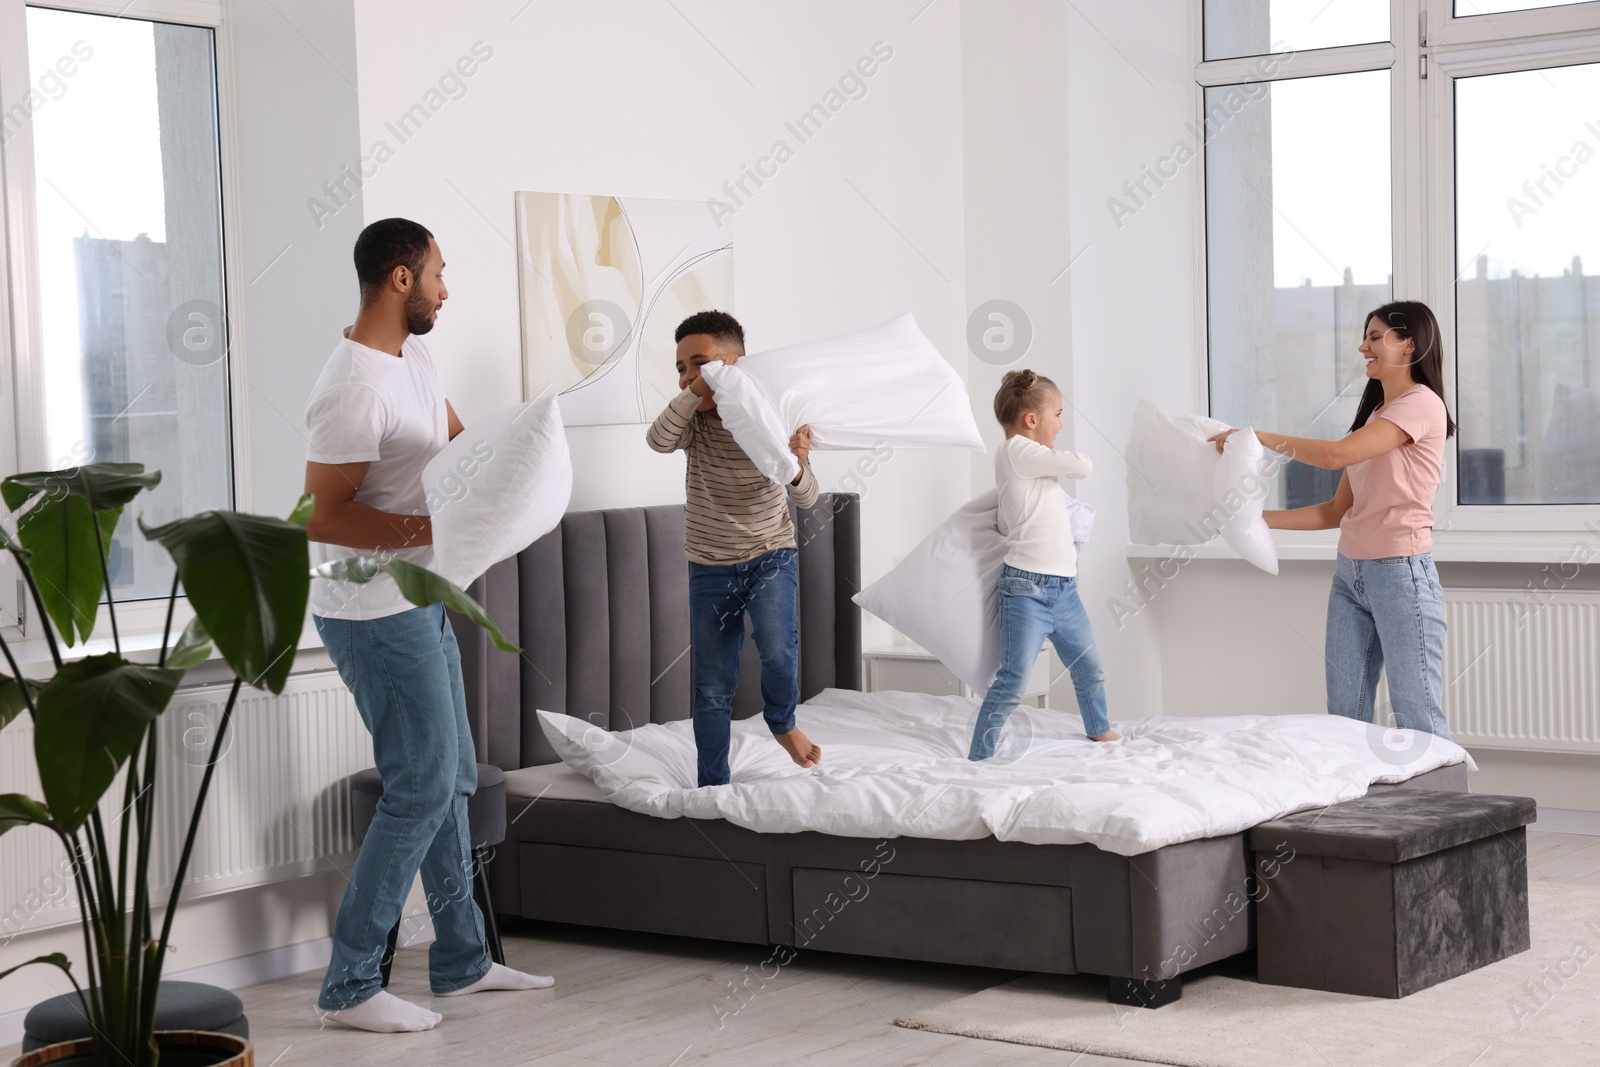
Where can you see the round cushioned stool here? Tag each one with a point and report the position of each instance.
(486, 824)
(179, 1006)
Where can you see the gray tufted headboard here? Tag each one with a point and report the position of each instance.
(600, 606)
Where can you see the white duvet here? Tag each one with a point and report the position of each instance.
(894, 764)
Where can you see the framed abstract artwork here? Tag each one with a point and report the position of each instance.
(603, 283)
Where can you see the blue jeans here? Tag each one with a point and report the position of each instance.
(1387, 611)
(1032, 608)
(405, 674)
(719, 597)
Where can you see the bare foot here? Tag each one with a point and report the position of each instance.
(1109, 735)
(799, 747)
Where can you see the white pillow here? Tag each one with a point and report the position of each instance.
(943, 594)
(1181, 492)
(755, 423)
(884, 386)
(502, 484)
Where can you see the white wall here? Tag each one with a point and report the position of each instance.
(1133, 291)
(636, 99)
(295, 69)
(1015, 122)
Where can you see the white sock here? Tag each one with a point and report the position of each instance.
(501, 977)
(386, 1014)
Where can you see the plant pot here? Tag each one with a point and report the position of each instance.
(179, 1048)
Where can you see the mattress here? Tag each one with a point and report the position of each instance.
(553, 781)
(894, 765)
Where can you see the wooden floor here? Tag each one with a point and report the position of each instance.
(646, 1001)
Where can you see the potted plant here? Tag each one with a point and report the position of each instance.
(248, 580)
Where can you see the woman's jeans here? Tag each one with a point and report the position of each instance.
(719, 598)
(405, 674)
(1032, 608)
(1387, 611)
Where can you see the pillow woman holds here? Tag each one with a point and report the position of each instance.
(1386, 606)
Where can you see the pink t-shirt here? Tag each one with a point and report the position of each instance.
(1393, 510)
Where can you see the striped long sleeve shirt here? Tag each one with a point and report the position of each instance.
(733, 513)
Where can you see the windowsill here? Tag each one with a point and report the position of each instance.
(144, 646)
(1453, 546)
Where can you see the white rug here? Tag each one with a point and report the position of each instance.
(1538, 1008)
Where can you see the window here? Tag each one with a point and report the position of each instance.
(1491, 7)
(1256, 28)
(1455, 161)
(1528, 286)
(114, 143)
(1297, 225)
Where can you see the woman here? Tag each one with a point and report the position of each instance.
(1386, 606)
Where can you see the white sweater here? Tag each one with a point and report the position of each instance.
(1034, 514)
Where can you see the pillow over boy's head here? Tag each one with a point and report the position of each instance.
(887, 386)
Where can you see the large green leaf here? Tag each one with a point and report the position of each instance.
(64, 556)
(91, 717)
(55, 959)
(13, 699)
(246, 577)
(18, 810)
(417, 584)
(193, 647)
(100, 485)
(58, 530)
(12, 545)
(303, 509)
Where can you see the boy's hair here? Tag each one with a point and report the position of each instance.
(385, 245)
(722, 327)
(1021, 391)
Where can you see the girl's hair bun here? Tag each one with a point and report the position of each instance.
(1021, 391)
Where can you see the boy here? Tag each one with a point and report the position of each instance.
(741, 548)
(377, 415)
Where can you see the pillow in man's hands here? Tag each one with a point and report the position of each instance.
(502, 484)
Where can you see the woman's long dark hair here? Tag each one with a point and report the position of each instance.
(1412, 320)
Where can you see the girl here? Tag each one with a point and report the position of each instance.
(1386, 605)
(1038, 588)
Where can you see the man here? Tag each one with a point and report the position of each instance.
(377, 416)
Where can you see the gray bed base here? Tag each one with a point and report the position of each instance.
(600, 606)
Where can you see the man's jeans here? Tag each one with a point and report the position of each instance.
(405, 673)
(1387, 611)
(719, 597)
(1033, 607)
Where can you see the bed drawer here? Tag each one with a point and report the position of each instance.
(660, 894)
(941, 920)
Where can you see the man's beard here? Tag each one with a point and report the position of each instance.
(419, 312)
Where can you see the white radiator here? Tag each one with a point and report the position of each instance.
(279, 806)
(1522, 669)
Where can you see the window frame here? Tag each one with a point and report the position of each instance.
(1429, 48)
(22, 431)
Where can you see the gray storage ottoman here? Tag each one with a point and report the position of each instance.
(1393, 892)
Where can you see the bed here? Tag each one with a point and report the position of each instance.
(600, 607)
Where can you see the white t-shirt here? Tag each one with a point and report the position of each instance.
(371, 407)
(1033, 513)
